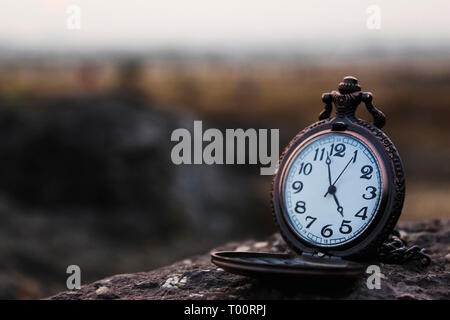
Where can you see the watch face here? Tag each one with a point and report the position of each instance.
(331, 189)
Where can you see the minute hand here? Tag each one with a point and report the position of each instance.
(328, 162)
(351, 159)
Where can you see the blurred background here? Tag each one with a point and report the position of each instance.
(91, 91)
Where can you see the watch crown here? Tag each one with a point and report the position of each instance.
(349, 85)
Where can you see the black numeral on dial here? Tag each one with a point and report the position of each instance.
(362, 213)
(335, 150)
(366, 172)
(355, 155)
(326, 231)
(305, 168)
(300, 207)
(339, 150)
(312, 221)
(322, 152)
(372, 193)
(297, 186)
(345, 227)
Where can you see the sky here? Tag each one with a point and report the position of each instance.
(211, 24)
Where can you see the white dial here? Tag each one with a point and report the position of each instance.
(332, 189)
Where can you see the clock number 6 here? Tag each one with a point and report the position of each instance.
(372, 192)
(300, 207)
(326, 231)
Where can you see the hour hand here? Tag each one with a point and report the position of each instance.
(328, 162)
(339, 208)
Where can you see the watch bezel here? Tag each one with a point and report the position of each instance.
(382, 222)
(381, 202)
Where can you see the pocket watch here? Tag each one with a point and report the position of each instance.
(339, 187)
(336, 197)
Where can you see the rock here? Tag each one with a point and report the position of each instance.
(101, 291)
(146, 284)
(105, 293)
(175, 281)
(200, 279)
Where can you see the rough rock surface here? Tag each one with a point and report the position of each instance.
(197, 278)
